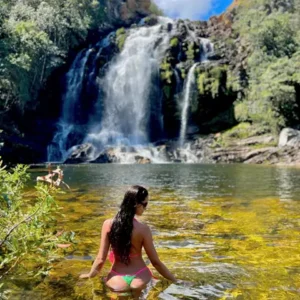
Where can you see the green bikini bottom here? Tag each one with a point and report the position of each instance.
(129, 278)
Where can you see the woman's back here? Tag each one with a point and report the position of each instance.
(135, 254)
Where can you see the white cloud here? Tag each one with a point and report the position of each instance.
(185, 9)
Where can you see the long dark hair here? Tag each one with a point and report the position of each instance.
(122, 226)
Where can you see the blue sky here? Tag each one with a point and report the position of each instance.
(193, 9)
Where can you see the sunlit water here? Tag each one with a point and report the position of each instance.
(229, 231)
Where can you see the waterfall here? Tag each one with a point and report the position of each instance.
(190, 32)
(178, 81)
(186, 103)
(207, 48)
(128, 85)
(57, 151)
(115, 101)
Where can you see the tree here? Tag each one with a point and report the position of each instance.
(272, 32)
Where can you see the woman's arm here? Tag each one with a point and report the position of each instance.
(153, 256)
(102, 254)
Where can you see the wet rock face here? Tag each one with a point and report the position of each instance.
(80, 154)
(107, 156)
(289, 137)
(125, 12)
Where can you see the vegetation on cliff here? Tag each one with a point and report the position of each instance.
(252, 77)
(35, 37)
(270, 31)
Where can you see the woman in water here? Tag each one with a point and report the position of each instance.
(126, 236)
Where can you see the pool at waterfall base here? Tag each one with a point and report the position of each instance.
(227, 231)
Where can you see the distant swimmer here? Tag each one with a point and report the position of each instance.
(54, 178)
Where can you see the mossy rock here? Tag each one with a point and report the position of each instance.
(121, 36)
(166, 71)
(174, 42)
(211, 81)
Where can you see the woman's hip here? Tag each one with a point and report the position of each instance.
(123, 282)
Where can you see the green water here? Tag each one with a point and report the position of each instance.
(230, 231)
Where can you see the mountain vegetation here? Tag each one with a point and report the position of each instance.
(35, 38)
(271, 32)
(258, 83)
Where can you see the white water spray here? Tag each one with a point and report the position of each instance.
(207, 48)
(127, 87)
(186, 103)
(57, 151)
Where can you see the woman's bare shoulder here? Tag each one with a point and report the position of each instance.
(107, 223)
(143, 226)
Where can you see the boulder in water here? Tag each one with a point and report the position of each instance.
(106, 157)
(80, 154)
(142, 160)
(289, 137)
(151, 20)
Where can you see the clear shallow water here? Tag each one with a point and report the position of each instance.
(230, 231)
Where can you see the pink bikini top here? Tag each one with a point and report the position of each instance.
(111, 256)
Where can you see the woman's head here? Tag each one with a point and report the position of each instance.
(135, 202)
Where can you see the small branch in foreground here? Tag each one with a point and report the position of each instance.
(18, 224)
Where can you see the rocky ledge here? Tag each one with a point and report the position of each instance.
(264, 149)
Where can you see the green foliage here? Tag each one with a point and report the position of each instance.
(121, 36)
(190, 52)
(166, 71)
(154, 9)
(174, 42)
(167, 91)
(35, 37)
(272, 32)
(27, 225)
(242, 131)
(209, 81)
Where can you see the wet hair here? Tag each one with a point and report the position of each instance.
(122, 226)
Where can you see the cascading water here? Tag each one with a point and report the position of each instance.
(186, 103)
(115, 104)
(57, 151)
(59, 148)
(127, 88)
(207, 48)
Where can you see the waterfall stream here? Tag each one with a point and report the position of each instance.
(186, 102)
(207, 48)
(71, 98)
(120, 107)
(127, 87)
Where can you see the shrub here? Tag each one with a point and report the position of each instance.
(27, 236)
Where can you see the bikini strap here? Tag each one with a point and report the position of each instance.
(142, 270)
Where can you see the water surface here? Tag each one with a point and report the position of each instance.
(229, 231)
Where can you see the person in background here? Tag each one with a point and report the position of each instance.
(50, 178)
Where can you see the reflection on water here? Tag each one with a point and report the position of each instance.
(227, 231)
(286, 184)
